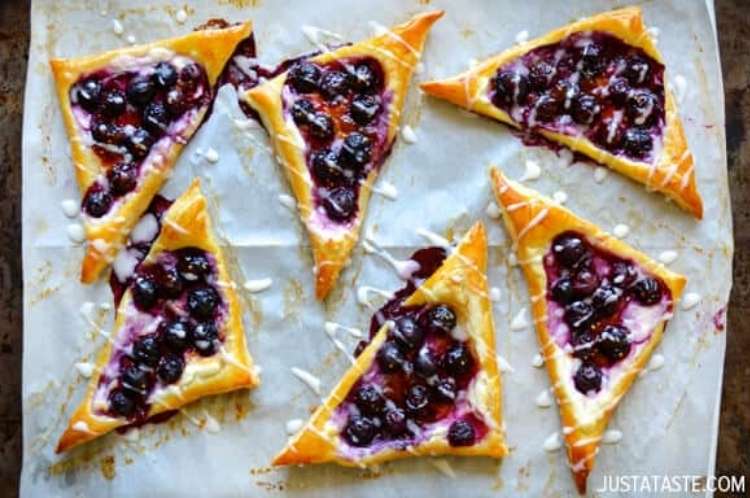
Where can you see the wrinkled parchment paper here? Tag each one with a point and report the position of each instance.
(222, 446)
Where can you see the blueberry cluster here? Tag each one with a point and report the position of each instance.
(592, 300)
(188, 325)
(609, 91)
(129, 112)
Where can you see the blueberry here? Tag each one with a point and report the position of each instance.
(579, 314)
(364, 78)
(461, 433)
(637, 70)
(202, 302)
(445, 389)
(583, 343)
(304, 77)
(303, 111)
(321, 126)
(407, 333)
(619, 90)
(364, 108)
(114, 103)
(592, 61)
(140, 90)
(204, 338)
(606, 300)
(641, 107)
(359, 431)
(333, 84)
(613, 342)
(390, 358)
(169, 282)
(97, 203)
(189, 77)
(135, 379)
(107, 133)
(510, 87)
(566, 91)
(457, 360)
(325, 167)
(144, 292)
(146, 351)
(562, 290)
(193, 265)
(637, 142)
(395, 420)
(170, 368)
(547, 108)
(176, 334)
(569, 250)
(156, 118)
(647, 291)
(356, 150)
(165, 75)
(175, 102)
(440, 319)
(585, 282)
(588, 378)
(540, 75)
(417, 399)
(121, 403)
(370, 400)
(340, 204)
(585, 108)
(139, 143)
(425, 363)
(623, 274)
(123, 178)
(88, 94)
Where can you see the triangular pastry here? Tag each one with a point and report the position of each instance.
(600, 308)
(333, 119)
(597, 86)
(178, 332)
(128, 114)
(427, 383)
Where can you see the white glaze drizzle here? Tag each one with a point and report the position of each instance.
(560, 197)
(287, 201)
(433, 238)
(532, 172)
(76, 234)
(553, 442)
(308, 379)
(668, 257)
(492, 210)
(543, 399)
(70, 208)
(409, 135)
(690, 300)
(443, 466)
(520, 321)
(258, 285)
(600, 174)
(621, 230)
(293, 425)
(386, 189)
(537, 361)
(612, 436)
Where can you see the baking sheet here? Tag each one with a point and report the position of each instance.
(222, 446)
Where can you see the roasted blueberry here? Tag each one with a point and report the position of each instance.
(585, 282)
(176, 334)
(169, 282)
(569, 250)
(333, 84)
(193, 265)
(369, 399)
(189, 77)
(562, 290)
(425, 363)
(364, 78)
(121, 403)
(364, 108)
(88, 94)
(170, 368)
(356, 150)
(647, 291)
(175, 102)
(583, 343)
(440, 319)
(114, 103)
(165, 75)
(445, 389)
(146, 351)
(540, 75)
(417, 399)
(107, 133)
(325, 167)
(623, 274)
(394, 420)
(204, 337)
(390, 358)
(613, 342)
(619, 90)
(340, 204)
(304, 77)
(135, 379)
(637, 142)
(457, 360)
(321, 126)
(510, 87)
(202, 302)
(579, 314)
(303, 111)
(606, 299)
(585, 108)
(588, 378)
(407, 333)
(636, 70)
(461, 433)
(547, 108)
(360, 431)
(144, 292)
(140, 90)
(592, 61)
(156, 118)
(139, 143)
(97, 203)
(641, 107)
(566, 91)
(123, 178)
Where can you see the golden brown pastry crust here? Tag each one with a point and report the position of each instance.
(533, 221)
(672, 172)
(211, 48)
(185, 224)
(461, 283)
(398, 51)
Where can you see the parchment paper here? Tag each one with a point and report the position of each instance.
(668, 421)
